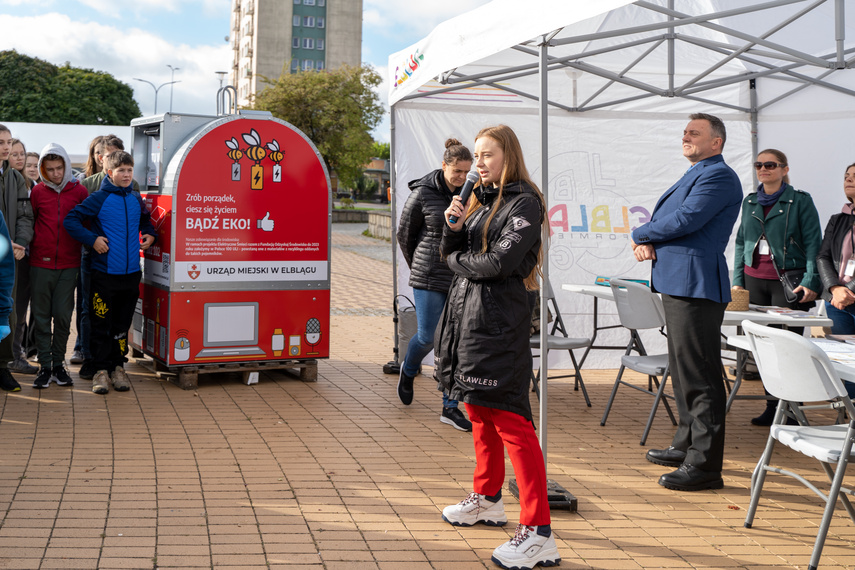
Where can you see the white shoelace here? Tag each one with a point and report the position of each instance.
(472, 498)
(521, 534)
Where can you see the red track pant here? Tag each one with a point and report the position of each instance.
(493, 430)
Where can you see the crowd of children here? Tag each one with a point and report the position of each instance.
(60, 234)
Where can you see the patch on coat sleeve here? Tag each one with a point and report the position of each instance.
(519, 222)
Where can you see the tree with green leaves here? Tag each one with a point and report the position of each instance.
(381, 150)
(337, 109)
(36, 91)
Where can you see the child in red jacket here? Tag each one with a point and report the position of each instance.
(54, 263)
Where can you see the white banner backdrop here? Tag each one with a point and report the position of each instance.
(606, 172)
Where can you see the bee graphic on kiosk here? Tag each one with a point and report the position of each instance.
(235, 154)
(276, 156)
(256, 153)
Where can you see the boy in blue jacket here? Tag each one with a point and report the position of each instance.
(117, 217)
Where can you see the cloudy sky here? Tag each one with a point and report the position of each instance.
(140, 38)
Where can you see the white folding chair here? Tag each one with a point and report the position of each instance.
(639, 308)
(794, 370)
(558, 339)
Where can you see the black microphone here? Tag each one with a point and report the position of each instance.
(471, 179)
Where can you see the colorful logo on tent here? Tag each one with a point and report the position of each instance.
(406, 70)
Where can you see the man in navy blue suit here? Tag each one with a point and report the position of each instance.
(686, 237)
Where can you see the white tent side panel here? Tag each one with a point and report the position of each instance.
(606, 172)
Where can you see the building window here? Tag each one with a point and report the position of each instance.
(322, 2)
(295, 65)
(308, 64)
(319, 44)
(309, 2)
(308, 43)
(296, 21)
(320, 64)
(320, 22)
(308, 21)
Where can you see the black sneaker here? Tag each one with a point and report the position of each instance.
(456, 419)
(43, 378)
(87, 370)
(8, 382)
(61, 377)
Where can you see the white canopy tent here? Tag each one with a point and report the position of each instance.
(599, 93)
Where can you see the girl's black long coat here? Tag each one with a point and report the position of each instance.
(482, 348)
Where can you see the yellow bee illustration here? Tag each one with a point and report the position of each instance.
(275, 155)
(235, 153)
(255, 152)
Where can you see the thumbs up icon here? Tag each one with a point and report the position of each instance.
(265, 223)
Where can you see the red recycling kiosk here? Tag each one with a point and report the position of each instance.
(239, 278)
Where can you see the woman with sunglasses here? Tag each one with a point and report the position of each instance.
(779, 231)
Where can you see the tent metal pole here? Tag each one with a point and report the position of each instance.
(839, 31)
(394, 365)
(684, 20)
(671, 52)
(706, 23)
(544, 187)
(626, 70)
(750, 45)
(752, 93)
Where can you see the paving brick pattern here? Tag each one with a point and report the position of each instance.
(339, 474)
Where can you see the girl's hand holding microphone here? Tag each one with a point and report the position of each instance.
(455, 214)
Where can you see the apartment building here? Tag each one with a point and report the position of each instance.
(272, 37)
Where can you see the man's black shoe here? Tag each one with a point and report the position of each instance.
(690, 478)
(671, 457)
(87, 370)
(405, 388)
(8, 382)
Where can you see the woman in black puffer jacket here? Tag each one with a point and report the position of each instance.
(419, 234)
(482, 344)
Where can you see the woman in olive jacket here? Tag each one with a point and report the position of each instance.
(419, 234)
(482, 344)
(779, 225)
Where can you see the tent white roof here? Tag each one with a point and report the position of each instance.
(599, 92)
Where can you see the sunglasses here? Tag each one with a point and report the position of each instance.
(767, 165)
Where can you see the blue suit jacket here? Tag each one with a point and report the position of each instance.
(689, 230)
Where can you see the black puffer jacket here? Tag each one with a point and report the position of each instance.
(482, 352)
(828, 259)
(420, 231)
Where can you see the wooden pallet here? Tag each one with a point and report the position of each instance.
(187, 377)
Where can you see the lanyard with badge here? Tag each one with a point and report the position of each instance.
(763, 246)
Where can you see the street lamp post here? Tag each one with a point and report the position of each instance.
(156, 89)
(221, 75)
(174, 69)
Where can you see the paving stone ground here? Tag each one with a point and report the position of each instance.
(338, 474)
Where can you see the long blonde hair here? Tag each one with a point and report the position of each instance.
(513, 170)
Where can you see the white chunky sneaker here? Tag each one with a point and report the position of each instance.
(473, 509)
(526, 550)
